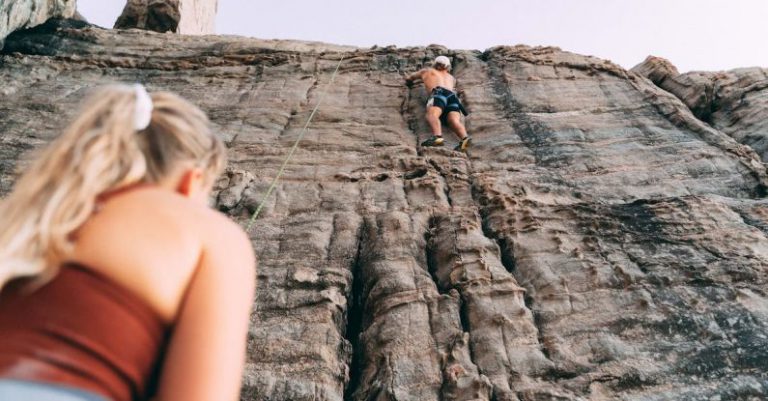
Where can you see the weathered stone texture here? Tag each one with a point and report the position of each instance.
(20, 14)
(734, 102)
(599, 242)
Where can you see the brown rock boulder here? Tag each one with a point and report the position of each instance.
(656, 69)
(151, 15)
(188, 17)
(694, 89)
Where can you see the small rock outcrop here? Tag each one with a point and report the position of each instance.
(734, 102)
(150, 15)
(21, 14)
(190, 17)
(598, 241)
(656, 69)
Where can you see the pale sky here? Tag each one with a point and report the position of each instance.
(694, 34)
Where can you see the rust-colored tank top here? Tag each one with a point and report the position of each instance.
(81, 329)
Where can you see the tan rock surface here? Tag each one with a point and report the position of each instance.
(21, 14)
(598, 242)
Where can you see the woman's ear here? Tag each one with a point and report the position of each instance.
(191, 183)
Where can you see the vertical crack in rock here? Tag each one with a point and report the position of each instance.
(465, 325)
(355, 320)
(491, 310)
(537, 359)
(402, 286)
(490, 303)
(432, 265)
(506, 249)
(396, 346)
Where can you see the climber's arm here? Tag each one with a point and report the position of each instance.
(411, 79)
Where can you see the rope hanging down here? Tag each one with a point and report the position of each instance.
(293, 149)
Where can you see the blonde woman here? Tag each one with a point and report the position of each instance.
(117, 281)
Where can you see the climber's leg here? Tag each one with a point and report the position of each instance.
(433, 119)
(454, 121)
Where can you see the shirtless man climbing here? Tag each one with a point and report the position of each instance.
(443, 104)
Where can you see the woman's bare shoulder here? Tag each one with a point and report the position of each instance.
(212, 226)
(152, 203)
(151, 240)
(153, 226)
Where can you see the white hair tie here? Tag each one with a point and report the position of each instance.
(143, 112)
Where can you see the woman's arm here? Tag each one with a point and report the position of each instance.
(206, 353)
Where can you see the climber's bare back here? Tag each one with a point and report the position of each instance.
(433, 78)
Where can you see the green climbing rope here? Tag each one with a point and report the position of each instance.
(293, 149)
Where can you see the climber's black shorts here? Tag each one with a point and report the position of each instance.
(446, 100)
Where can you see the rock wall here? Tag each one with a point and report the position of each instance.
(733, 102)
(19, 14)
(598, 242)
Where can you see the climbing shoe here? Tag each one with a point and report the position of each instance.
(433, 141)
(463, 144)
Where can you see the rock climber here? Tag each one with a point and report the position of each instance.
(443, 104)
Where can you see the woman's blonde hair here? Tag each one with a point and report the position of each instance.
(100, 151)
